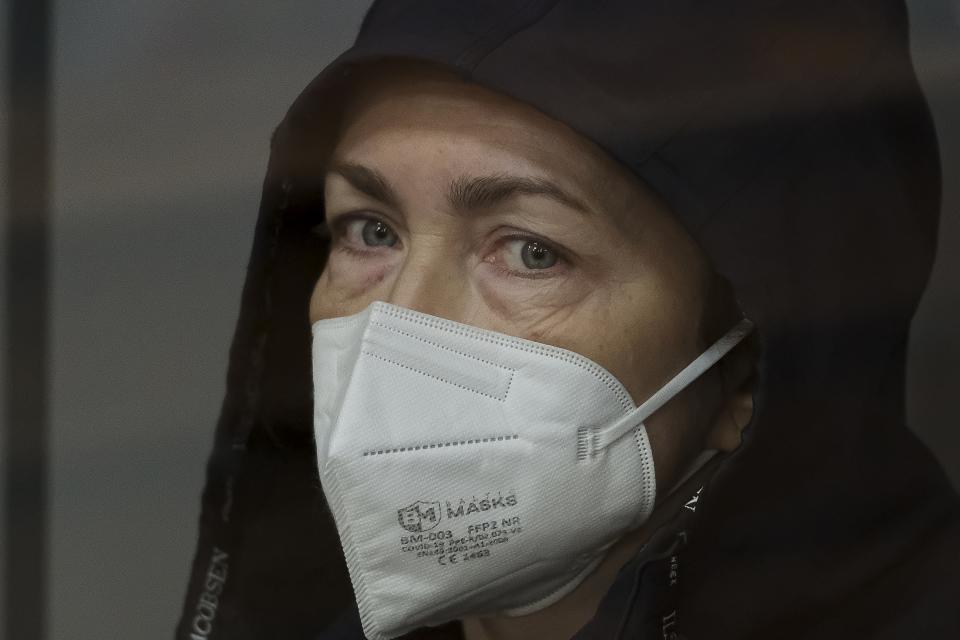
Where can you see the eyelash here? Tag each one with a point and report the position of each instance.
(337, 231)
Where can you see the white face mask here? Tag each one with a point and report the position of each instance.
(471, 472)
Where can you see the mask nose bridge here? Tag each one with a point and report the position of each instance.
(395, 337)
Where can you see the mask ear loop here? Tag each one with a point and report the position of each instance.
(591, 441)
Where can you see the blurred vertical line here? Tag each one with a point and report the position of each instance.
(25, 308)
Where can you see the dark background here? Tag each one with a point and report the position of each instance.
(162, 112)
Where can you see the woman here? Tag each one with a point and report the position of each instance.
(552, 196)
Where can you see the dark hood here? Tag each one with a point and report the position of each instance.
(792, 141)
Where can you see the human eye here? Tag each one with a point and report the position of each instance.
(528, 257)
(363, 233)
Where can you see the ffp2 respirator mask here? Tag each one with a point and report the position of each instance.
(473, 472)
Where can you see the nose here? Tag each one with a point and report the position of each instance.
(431, 282)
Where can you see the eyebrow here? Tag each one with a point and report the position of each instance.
(466, 193)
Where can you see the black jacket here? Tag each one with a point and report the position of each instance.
(792, 141)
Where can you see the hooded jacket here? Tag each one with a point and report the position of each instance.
(792, 141)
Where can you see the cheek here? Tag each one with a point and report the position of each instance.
(633, 332)
(613, 328)
(648, 334)
(345, 287)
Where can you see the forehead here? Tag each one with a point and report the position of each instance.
(428, 109)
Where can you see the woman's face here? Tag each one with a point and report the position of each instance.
(453, 200)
